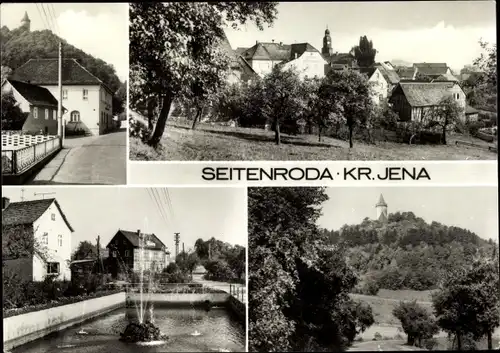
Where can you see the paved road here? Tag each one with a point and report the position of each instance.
(88, 160)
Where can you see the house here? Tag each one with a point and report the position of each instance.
(307, 60)
(38, 103)
(46, 224)
(434, 71)
(414, 100)
(471, 114)
(87, 99)
(406, 73)
(390, 75)
(377, 82)
(240, 71)
(128, 250)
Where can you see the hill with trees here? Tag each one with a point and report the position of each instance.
(407, 252)
(19, 45)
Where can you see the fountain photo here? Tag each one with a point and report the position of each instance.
(124, 269)
(373, 269)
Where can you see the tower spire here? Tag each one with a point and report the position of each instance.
(327, 43)
(381, 208)
(25, 21)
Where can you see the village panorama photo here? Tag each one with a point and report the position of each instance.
(84, 274)
(229, 81)
(64, 92)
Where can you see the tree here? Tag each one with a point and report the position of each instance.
(417, 323)
(364, 52)
(283, 101)
(13, 117)
(5, 73)
(236, 259)
(446, 114)
(483, 86)
(85, 250)
(120, 99)
(347, 93)
(187, 262)
(468, 302)
(174, 45)
(19, 242)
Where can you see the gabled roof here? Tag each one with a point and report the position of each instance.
(240, 50)
(27, 212)
(446, 77)
(368, 71)
(267, 51)
(406, 72)
(46, 72)
(470, 110)
(431, 68)
(133, 238)
(301, 48)
(422, 94)
(390, 75)
(341, 58)
(34, 94)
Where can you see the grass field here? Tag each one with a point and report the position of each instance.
(222, 143)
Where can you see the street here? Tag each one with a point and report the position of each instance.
(88, 160)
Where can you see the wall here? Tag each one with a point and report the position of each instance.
(180, 299)
(47, 124)
(56, 253)
(89, 109)
(263, 67)
(238, 308)
(379, 87)
(105, 110)
(309, 64)
(20, 329)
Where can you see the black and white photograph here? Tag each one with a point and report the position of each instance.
(373, 269)
(288, 81)
(124, 269)
(64, 93)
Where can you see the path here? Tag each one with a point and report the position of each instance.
(88, 160)
(389, 345)
(224, 286)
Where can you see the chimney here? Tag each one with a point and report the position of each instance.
(281, 44)
(273, 40)
(256, 42)
(5, 202)
(139, 233)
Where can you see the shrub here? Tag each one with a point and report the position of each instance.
(370, 288)
(377, 336)
(417, 323)
(430, 343)
(138, 129)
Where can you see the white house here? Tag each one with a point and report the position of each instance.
(307, 61)
(378, 84)
(87, 99)
(46, 222)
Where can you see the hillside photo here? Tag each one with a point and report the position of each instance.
(373, 269)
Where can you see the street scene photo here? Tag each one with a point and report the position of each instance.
(64, 90)
(257, 81)
(373, 269)
(123, 269)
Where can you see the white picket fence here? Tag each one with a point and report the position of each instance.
(16, 141)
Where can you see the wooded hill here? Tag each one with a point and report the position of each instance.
(19, 45)
(406, 252)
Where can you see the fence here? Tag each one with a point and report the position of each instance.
(238, 292)
(21, 152)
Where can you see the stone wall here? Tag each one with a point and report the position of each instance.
(179, 299)
(20, 329)
(238, 308)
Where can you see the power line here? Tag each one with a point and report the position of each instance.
(161, 205)
(51, 7)
(157, 204)
(49, 19)
(43, 18)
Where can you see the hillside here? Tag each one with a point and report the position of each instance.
(19, 45)
(406, 252)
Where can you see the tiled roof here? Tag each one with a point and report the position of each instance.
(431, 68)
(446, 77)
(406, 72)
(340, 58)
(34, 94)
(421, 94)
(240, 50)
(368, 71)
(134, 239)
(268, 51)
(391, 76)
(46, 72)
(301, 48)
(27, 212)
(471, 110)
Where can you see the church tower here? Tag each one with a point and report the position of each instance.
(26, 22)
(381, 208)
(327, 44)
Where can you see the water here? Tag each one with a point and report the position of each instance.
(218, 331)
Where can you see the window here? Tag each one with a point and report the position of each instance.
(65, 93)
(45, 238)
(113, 254)
(52, 268)
(75, 116)
(35, 113)
(46, 113)
(53, 216)
(127, 253)
(59, 239)
(54, 114)
(85, 94)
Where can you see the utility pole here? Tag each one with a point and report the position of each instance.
(99, 262)
(209, 251)
(183, 252)
(59, 101)
(176, 238)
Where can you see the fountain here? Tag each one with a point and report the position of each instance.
(143, 330)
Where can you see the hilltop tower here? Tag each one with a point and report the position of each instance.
(26, 22)
(381, 208)
(327, 43)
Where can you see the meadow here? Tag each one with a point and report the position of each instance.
(215, 142)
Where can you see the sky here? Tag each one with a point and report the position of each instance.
(99, 29)
(198, 212)
(413, 31)
(472, 208)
